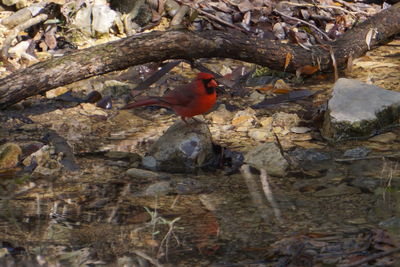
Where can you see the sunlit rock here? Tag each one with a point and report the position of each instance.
(269, 157)
(359, 109)
(221, 115)
(285, 120)
(9, 155)
(183, 148)
(244, 118)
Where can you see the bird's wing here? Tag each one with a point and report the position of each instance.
(181, 95)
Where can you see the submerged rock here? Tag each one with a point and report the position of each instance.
(46, 165)
(357, 152)
(309, 155)
(9, 155)
(285, 120)
(359, 109)
(269, 157)
(342, 189)
(145, 174)
(366, 184)
(183, 148)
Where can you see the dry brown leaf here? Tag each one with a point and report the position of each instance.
(266, 88)
(307, 70)
(281, 91)
(288, 58)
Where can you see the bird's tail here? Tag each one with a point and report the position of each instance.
(151, 101)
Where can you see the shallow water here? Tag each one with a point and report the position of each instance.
(99, 215)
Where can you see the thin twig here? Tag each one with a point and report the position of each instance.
(147, 257)
(211, 16)
(253, 190)
(167, 237)
(307, 23)
(326, 6)
(17, 29)
(268, 194)
(350, 6)
(372, 257)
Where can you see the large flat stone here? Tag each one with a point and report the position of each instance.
(358, 109)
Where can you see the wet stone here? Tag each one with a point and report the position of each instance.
(384, 138)
(117, 163)
(158, 188)
(183, 148)
(187, 186)
(357, 221)
(358, 152)
(339, 190)
(391, 223)
(31, 127)
(145, 174)
(269, 157)
(366, 184)
(310, 155)
(9, 155)
(122, 155)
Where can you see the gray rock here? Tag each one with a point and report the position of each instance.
(309, 155)
(183, 148)
(145, 174)
(102, 18)
(269, 157)
(358, 109)
(285, 120)
(46, 165)
(132, 157)
(392, 223)
(117, 154)
(158, 188)
(358, 152)
(187, 186)
(117, 163)
(82, 19)
(366, 184)
(339, 190)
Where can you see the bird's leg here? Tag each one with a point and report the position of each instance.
(196, 120)
(184, 120)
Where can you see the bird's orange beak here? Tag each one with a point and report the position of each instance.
(212, 83)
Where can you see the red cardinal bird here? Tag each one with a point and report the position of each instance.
(186, 100)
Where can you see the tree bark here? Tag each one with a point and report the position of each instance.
(159, 46)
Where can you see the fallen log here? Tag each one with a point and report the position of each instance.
(159, 46)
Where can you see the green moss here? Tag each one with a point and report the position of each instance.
(344, 130)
